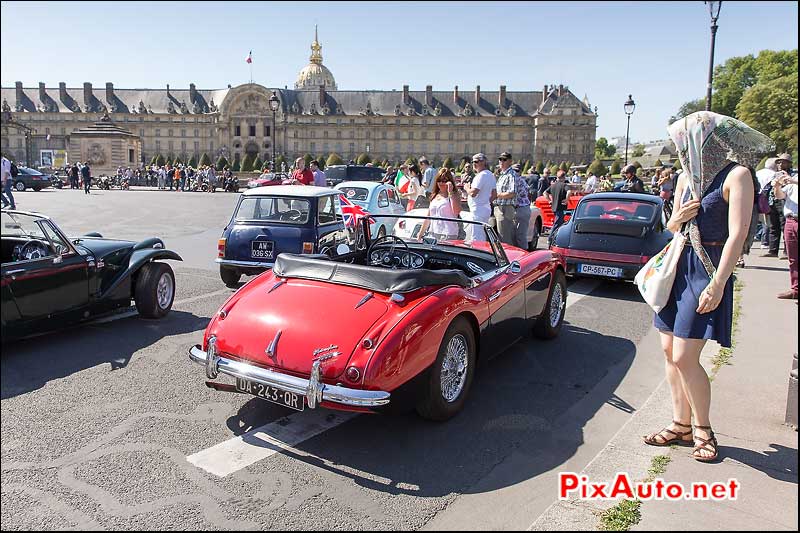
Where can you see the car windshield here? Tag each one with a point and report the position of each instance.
(20, 225)
(456, 235)
(282, 210)
(615, 209)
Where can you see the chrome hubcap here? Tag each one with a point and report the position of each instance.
(556, 305)
(454, 368)
(164, 291)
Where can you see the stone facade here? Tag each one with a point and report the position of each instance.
(548, 125)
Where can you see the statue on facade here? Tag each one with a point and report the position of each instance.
(438, 109)
(326, 110)
(142, 109)
(339, 110)
(75, 107)
(212, 106)
(511, 111)
(411, 111)
(467, 110)
(397, 110)
(184, 108)
(170, 108)
(105, 117)
(149, 110)
(6, 107)
(313, 110)
(133, 109)
(295, 108)
(196, 108)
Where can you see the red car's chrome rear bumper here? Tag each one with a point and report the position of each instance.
(312, 389)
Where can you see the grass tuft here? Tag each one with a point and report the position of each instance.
(627, 512)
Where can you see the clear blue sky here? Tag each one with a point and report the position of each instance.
(657, 51)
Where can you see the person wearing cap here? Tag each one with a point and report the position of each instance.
(785, 187)
(776, 217)
(632, 182)
(480, 192)
(558, 194)
(505, 206)
(428, 176)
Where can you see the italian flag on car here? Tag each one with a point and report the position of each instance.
(401, 182)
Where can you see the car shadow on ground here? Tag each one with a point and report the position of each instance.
(27, 365)
(524, 416)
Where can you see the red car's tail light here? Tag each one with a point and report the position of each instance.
(645, 259)
(221, 248)
(352, 374)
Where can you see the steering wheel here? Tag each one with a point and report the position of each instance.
(292, 214)
(33, 249)
(395, 240)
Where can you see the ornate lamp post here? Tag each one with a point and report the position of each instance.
(274, 103)
(630, 105)
(713, 10)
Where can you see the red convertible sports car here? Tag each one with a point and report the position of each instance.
(383, 319)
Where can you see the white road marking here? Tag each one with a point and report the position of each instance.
(242, 451)
(262, 442)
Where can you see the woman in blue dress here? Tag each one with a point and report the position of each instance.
(713, 204)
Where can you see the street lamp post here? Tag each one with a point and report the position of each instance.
(274, 103)
(713, 9)
(630, 105)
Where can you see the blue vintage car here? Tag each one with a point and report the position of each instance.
(268, 221)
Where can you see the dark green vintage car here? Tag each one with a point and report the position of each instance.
(50, 281)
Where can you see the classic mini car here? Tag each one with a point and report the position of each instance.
(383, 322)
(612, 234)
(269, 221)
(49, 280)
(375, 198)
(409, 228)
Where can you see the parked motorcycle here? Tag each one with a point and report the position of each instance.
(124, 185)
(231, 184)
(104, 183)
(57, 181)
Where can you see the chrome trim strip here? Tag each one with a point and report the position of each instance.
(364, 300)
(273, 346)
(281, 282)
(313, 389)
(247, 264)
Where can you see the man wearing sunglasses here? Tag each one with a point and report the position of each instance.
(505, 207)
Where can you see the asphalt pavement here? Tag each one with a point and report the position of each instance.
(99, 422)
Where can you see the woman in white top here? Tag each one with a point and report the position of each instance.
(414, 190)
(446, 203)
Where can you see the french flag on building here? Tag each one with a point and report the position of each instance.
(249, 57)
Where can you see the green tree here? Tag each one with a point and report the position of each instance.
(152, 160)
(554, 170)
(247, 163)
(597, 168)
(193, 161)
(321, 160)
(177, 161)
(526, 168)
(334, 159)
(258, 164)
(222, 162)
(602, 149)
(688, 108)
(170, 159)
(235, 167)
(637, 165)
(563, 166)
(307, 158)
(363, 159)
(658, 163)
(771, 108)
(205, 161)
(638, 150)
(539, 167)
(279, 162)
(412, 161)
(447, 163)
(160, 161)
(677, 164)
(616, 166)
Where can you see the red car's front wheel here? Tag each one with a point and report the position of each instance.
(450, 377)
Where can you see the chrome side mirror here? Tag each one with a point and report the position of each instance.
(515, 267)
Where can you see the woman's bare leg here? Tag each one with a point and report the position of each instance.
(681, 408)
(686, 355)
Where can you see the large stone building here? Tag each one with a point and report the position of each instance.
(314, 117)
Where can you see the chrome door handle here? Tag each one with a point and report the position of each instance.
(495, 295)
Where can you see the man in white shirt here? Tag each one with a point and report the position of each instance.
(8, 183)
(481, 192)
(764, 177)
(575, 179)
(428, 175)
(591, 184)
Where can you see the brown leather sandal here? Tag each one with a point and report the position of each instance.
(709, 444)
(678, 436)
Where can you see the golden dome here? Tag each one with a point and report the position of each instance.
(315, 73)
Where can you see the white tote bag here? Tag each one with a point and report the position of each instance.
(656, 277)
